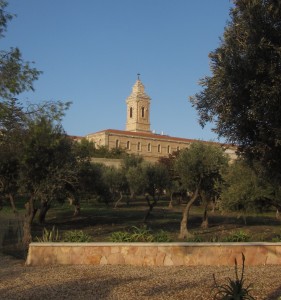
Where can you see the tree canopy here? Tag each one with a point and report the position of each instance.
(199, 168)
(243, 96)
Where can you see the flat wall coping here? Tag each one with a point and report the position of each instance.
(182, 244)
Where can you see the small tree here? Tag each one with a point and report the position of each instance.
(174, 185)
(137, 180)
(117, 182)
(198, 167)
(132, 167)
(157, 181)
(47, 168)
(243, 189)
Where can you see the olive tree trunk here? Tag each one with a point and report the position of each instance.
(28, 218)
(12, 202)
(150, 205)
(119, 200)
(45, 206)
(185, 215)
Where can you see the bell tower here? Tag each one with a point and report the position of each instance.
(138, 109)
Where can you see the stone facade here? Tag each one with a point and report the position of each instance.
(138, 109)
(154, 254)
(137, 138)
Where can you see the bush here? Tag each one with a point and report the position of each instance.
(77, 236)
(234, 289)
(139, 234)
(238, 236)
(49, 236)
(161, 237)
(195, 239)
(120, 236)
(276, 239)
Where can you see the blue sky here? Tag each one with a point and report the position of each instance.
(90, 52)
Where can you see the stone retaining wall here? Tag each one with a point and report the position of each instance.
(153, 254)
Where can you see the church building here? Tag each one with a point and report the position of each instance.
(138, 138)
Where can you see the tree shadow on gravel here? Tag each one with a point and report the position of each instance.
(172, 291)
(10, 267)
(275, 295)
(80, 288)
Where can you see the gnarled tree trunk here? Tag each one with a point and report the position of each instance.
(119, 200)
(12, 202)
(28, 217)
(171, 200)
(76, 204)
(45, 206)
(205, 221)
(131, 198)
(150, 205)
(185, 214)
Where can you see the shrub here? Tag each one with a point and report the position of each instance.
(234, 289)
(195, 239)
(120, 236)
(77, 236)
(214, 239)
(49, 235)
(238, 236)
(161, 237)
(139, 234)
(276, 239)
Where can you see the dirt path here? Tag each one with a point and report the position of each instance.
(126, 282)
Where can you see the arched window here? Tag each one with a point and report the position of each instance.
(168, 149)
(139, 146)
(128, 145)
(149, 147)
(117, 144)
(142, 112)
(178, 148)
(159, 148)
(131, 112)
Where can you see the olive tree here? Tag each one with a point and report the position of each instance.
(242, 95)
(199, 167)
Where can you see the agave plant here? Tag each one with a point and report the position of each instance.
(49, 235)
(234, 289)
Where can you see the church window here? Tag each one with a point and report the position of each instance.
(117, 144)
(131, 112)
(168, 149)
(128, 145)
(142, 112)
(139, 146)
(149, 147)
(159, 148)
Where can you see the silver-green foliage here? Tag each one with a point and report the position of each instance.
(139, 234)
(77, 236)
(237, 236)
(49, 236)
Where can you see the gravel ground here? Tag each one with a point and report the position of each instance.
(18, 281)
